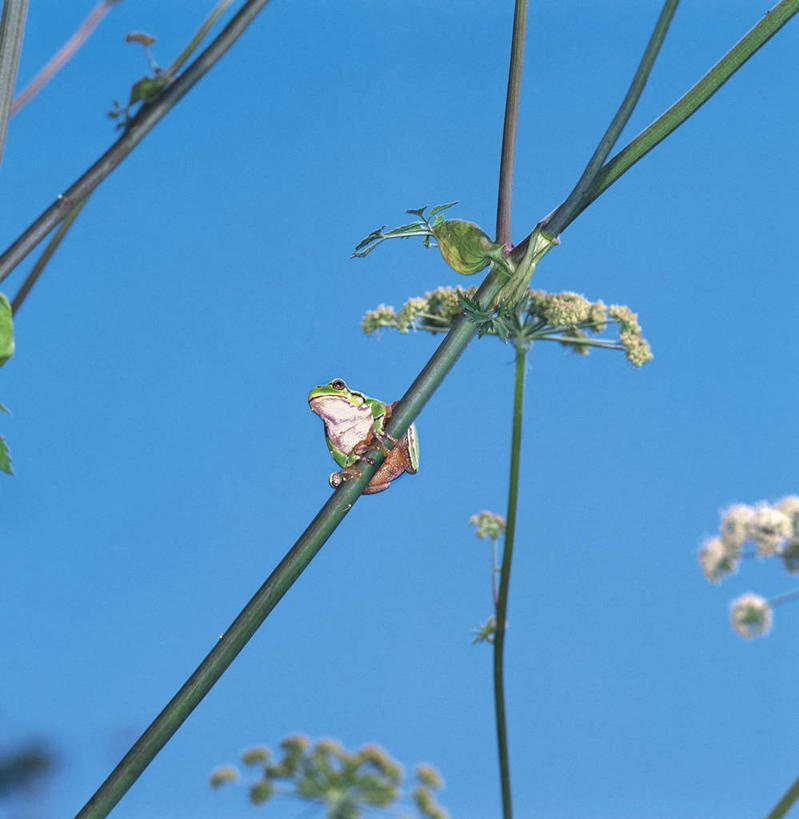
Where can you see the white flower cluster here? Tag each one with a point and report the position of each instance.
(773, 530)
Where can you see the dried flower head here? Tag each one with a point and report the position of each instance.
(751, 616)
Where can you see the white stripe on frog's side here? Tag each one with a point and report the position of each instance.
(346, 425)
(413, 448)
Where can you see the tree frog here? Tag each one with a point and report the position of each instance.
(355, 424)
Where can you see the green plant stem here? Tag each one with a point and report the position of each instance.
(12, 28)
(678, 113)
(780, 599)
(510, 127)
(557, 220)
(144, 121)
(47, 254)
(184, 55)
(504, 580)
(786, 803)
(288, 570)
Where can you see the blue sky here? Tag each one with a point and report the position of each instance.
(166, 458)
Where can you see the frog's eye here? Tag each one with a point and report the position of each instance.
(338, 384)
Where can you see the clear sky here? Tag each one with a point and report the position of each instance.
(166, 457)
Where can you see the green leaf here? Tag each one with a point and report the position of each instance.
(417, 211)
(412, 229)
(378, 236)
(6, 331)
(5, 458)
(439, 208)
(375, 234)
(3, 409)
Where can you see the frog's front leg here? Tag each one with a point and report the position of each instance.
(348, 473)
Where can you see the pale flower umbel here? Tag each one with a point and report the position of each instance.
(717, 559)
(751, 615)
(735, 525)
(768, 529)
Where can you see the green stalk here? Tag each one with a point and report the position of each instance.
(690, 102)
(678, 113)
(47, 254)
(556, 221)
(504, 580)
(12, 27)
(786, 803)
(510, 128)
(184, 55)
(144, 121)
(288, 570)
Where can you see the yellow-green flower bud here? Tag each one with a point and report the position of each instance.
(253, 756)
(224, 774)
(261, 792)
(429, 776)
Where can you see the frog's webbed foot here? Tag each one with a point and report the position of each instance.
(348, 473)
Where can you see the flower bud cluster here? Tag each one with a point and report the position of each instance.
(635, 346)
(345, 783)
(433, 313)
(773, 530)
(488, 525)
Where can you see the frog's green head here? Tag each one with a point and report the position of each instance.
(338, 390)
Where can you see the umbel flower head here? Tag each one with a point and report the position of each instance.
(717, 559)
(567, 318)
(768, 529)
(772, 530)
(348, 784)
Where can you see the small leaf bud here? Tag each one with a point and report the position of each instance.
(464, 245)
